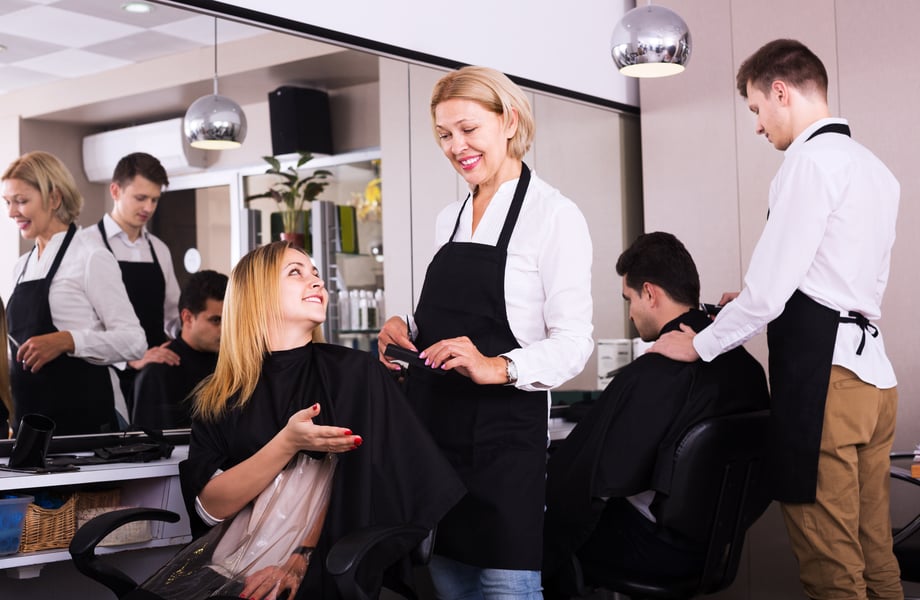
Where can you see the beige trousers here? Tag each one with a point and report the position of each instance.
(843, 540)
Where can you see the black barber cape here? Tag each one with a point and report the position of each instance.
(396, 476)
(625, 443)
(161, 391)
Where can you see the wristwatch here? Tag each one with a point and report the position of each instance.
(510, 370)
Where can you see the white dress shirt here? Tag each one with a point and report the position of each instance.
(833, 208)
(88, 299)
(139, 251)
(547, 279)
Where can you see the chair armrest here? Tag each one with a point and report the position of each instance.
(84, 542)
(900, 455)
(345, 557)
(903, 475)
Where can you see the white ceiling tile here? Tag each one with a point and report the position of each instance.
(64, 27)
(14, 78)
(111, 9)
(20, 48)
(143, 46)
(200, 29)
(72, 63)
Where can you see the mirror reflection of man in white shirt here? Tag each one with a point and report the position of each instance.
(145, 261)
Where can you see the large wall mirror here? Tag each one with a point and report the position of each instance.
(380, 128)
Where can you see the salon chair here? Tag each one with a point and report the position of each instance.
(718, 490)
(351, 555)
(906, 538)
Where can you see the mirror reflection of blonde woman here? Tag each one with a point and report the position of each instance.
(6, 397)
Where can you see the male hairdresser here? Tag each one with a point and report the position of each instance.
(816, 280)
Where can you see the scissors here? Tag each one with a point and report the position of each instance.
(16, 345)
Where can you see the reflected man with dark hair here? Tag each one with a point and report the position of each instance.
(161, 390)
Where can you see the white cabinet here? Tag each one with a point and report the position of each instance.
(154, 484)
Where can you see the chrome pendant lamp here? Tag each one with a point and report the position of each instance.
(215, 122)
(650, 41)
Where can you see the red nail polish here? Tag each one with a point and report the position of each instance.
(348, 432)
(316, 405)
(358, 441)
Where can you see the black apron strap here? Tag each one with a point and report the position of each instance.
(831, 128)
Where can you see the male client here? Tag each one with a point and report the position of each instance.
(161, 390)
(604, 480)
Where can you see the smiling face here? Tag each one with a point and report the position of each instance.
(772, 114)
(25, 206)
(475, 141)
(135, 203)
(302, 292)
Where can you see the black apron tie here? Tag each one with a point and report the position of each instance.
(864, 324)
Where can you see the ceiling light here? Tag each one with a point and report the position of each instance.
(215, 122)
(650, 41)
(137, 7)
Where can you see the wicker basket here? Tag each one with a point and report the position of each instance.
(130, 533)
(45, 529)
(86, 500)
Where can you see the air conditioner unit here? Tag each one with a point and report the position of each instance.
(164, 140)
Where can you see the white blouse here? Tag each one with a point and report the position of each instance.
(547, 279)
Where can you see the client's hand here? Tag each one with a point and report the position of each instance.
(271, 583)
(303, 434)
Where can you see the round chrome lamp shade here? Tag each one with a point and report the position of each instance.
(650, 41)
(215, 123)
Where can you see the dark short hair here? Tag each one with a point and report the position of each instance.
(139, 163)
(785, 60)
(661, 259)
(200, 287)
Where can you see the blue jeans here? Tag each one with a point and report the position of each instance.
(455, 580)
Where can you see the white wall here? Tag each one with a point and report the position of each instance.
(555, 43)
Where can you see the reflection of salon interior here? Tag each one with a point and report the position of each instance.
(388, 180)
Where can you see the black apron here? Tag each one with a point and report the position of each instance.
(801, 351)
(493, 435)
(77, 395)
(146, 288)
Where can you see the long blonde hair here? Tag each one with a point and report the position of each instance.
(252, 310)
(6, 394)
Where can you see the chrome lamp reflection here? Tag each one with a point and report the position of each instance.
(650, 41)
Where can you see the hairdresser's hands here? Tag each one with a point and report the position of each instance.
(727, 297)
(40, 350)
(157, 354)
(394, 331)
(461, 355)
(677, 345)
(269, 583)
(301, 433)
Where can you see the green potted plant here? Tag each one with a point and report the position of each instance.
(292, 192)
